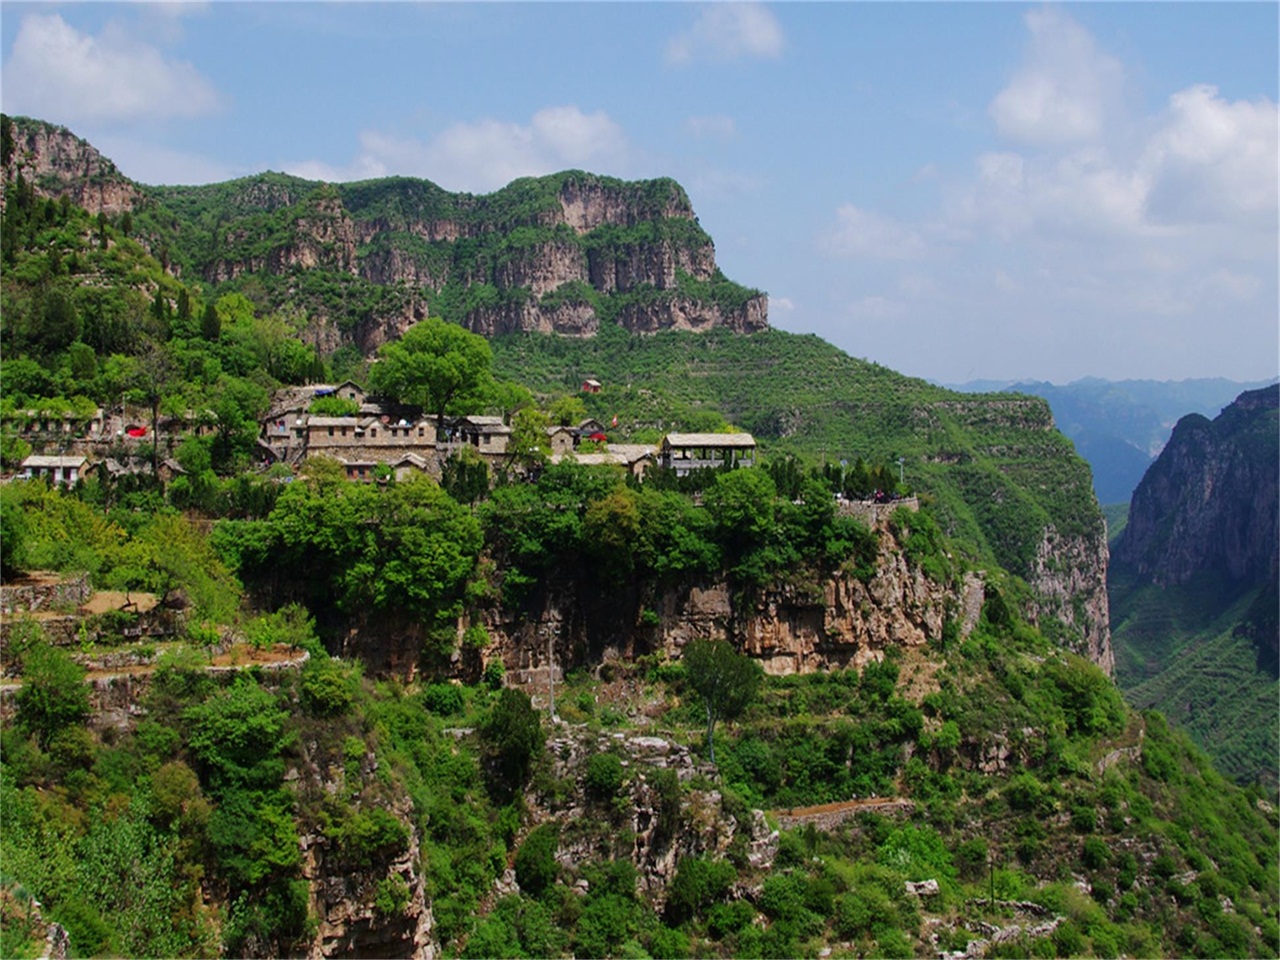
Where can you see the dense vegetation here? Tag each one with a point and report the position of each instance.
(995, 470)
(1005, 748)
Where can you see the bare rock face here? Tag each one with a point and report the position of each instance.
(351, 924)
(1209, 502)
(546, 251)
(60, 164)
(838, 623)
(1070, 577)
(587, 204)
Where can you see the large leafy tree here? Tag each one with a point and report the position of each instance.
(53, 694)
(409, 548)
(510, 736)
(436, 365)
(725, 679)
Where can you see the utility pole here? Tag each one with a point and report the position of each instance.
(901, 461)
(551, 676)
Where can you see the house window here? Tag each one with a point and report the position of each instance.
(331, 431)
(420, 431)
(373, 431)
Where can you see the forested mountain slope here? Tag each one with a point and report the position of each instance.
(1120, 426)
(313, 261)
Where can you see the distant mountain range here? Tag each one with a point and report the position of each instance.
(1120, 426)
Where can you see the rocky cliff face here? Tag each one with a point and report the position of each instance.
(1209, 502)
(58, 163)
(558, 254)
(1070, 580)
(842, 622)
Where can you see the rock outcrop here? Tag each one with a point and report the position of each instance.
(654, 829)
(1070, 580)
(1209, 502)
(558, 254)
(58, 163)
(838, 623)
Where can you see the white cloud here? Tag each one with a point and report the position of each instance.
(861, 234)
(487, 154)
(1099, 238)
(715, 127)
(1212, 160)
(58, 73)
(729, 31)
(1066, 89)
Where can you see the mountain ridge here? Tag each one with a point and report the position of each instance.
(556, 254)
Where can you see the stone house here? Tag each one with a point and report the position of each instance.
(68, 470)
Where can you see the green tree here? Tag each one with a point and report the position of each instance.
(53, 694)
(511, 737)
(436, 366)
(465, 475)
(725, 679)
(211, 324)
(535, 864)
(13, 534)
(528, 447)
(741, 504)
(568, 411)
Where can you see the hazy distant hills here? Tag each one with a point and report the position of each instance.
(1119, 426)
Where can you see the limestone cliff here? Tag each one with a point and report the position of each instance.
(1209, 502)
(1070, 580)
(557, 254)
(790, 628)
(58, 163)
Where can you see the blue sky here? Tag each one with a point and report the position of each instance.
(956, 191)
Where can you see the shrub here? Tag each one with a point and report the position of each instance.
(392, 896)
(53, 694)
(971, 858)
(725, 919)
(443, 699)
(326, 691)
(511, 736)
(698, 883)
(367, 836)
(1094, 853)
(604, 776)
(535, 864)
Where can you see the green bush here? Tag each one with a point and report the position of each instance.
(364, 838)
(53, 694)
(392, 896)
(326, 690)
(698, 884)
(511, 736)
(726, 919)
(443, 699)
(604, 776)
(535, 863)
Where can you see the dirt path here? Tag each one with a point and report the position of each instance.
(827, 815)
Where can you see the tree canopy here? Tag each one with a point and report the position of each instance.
(725, 679)
(436, 366)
